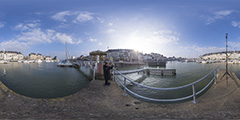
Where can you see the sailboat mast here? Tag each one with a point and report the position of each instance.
(66, 51)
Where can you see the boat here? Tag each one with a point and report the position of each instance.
(38, 61)
(205, 62)
(4, 62)
(20, 61)
(47, 60)
(65, 63)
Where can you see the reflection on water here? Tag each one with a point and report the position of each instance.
(44, 80)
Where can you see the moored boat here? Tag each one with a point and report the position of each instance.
(65, 63)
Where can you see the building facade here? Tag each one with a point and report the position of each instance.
(101, 55)
(232, 55)
(153, 57)
(34, 56)
(128, 55)
(11, 55)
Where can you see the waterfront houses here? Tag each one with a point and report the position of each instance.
(233, 55)
(153, 57)
(128, 55)
(101, 55)
(36, 56)
(11, 55)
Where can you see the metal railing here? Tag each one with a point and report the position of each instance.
(194, 93)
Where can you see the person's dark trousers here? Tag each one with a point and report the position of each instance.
(106, 82)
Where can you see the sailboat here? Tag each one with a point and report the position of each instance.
(65, 63)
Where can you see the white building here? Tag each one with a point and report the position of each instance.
(11, 55)
(124, 55)
(233, 55)
(34, 56)
(153, 57)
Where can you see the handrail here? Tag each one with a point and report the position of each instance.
(166, 100)
(173, 88)
(164, 89)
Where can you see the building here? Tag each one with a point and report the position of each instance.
(128, 55)
(233, 55)
(101, 54)
(153, 57)
(11, 55)
(34, 56)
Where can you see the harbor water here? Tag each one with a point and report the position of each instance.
(43, 80)
(186, 74)
(46, 80)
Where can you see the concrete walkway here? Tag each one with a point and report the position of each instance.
(97, 101)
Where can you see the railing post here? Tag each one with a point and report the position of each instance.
(124, 94)
(215, 81)
(93, 74)
(194, 94)
(113, 72)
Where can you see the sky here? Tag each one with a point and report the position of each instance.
(181, 28)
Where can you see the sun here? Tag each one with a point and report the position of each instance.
(138, 41)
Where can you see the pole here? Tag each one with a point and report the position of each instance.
(125, 93)
(227, 73)
(66, 51)
(194, 94)
(226, 59)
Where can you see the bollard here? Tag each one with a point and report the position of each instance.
(194, 94)
(124, 94)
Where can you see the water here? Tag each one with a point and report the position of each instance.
(186, 73)
(44, 80)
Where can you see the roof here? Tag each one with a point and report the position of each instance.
(10, 52)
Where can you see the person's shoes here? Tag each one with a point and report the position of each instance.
(107, 84)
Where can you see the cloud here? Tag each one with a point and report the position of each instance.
(36, 35)
(76, 16)
(60, 16)
(78, 42)
(234, 45)
(110, 24)
(83, 17)
(2, 25)
(14, 45)
(101, 20)
(110, 30)
(100, 43)
(164, 36)
(31, 34)
(158, 36)
(236, 24)
(203, 50)
(92, 39)
(28, 26)
(218, 15)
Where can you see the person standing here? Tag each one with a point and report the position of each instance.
(106, 72)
